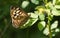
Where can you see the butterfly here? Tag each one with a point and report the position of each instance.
(18, 16)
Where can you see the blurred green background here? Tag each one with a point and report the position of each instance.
(6, 28)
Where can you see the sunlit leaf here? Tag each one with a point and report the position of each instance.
(54, 10)
(54, 2)
(46, 31)
(33, 18)
(33, 15)
(41, 16)
(41, 25)
(36, 12)
(25, 4)
(57, 30)
(54, 25)
(57, 6)
(39, 7)
(35, 1)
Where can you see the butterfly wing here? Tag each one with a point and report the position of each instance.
(18, 16)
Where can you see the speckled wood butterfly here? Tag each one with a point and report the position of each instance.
(18, 16)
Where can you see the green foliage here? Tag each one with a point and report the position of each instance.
(41, 23)
(33, 18)
(35, 1)
(54, 25)
(24, 4)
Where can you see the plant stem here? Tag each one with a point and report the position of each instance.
(50, 34)
(49, 27)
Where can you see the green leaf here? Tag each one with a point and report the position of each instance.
(57, 30)
(33, 15)
(42, 16)
(50, 17)
(46, 31)
(53, 35)
(54, 2)
(33, 18)
(54, 10)
(25, 4)
(54, 25)
(35, 1)
(41, 25)
(36, 12)
(57, 6)
(38, 7)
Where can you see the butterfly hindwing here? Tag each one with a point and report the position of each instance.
(18, 16)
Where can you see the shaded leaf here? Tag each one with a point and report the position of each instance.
(41, 25)
(57, 30)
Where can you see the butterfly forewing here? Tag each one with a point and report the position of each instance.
(18, 16)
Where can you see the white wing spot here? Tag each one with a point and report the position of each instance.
(18, 11)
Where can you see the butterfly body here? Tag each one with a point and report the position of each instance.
(18, 16)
